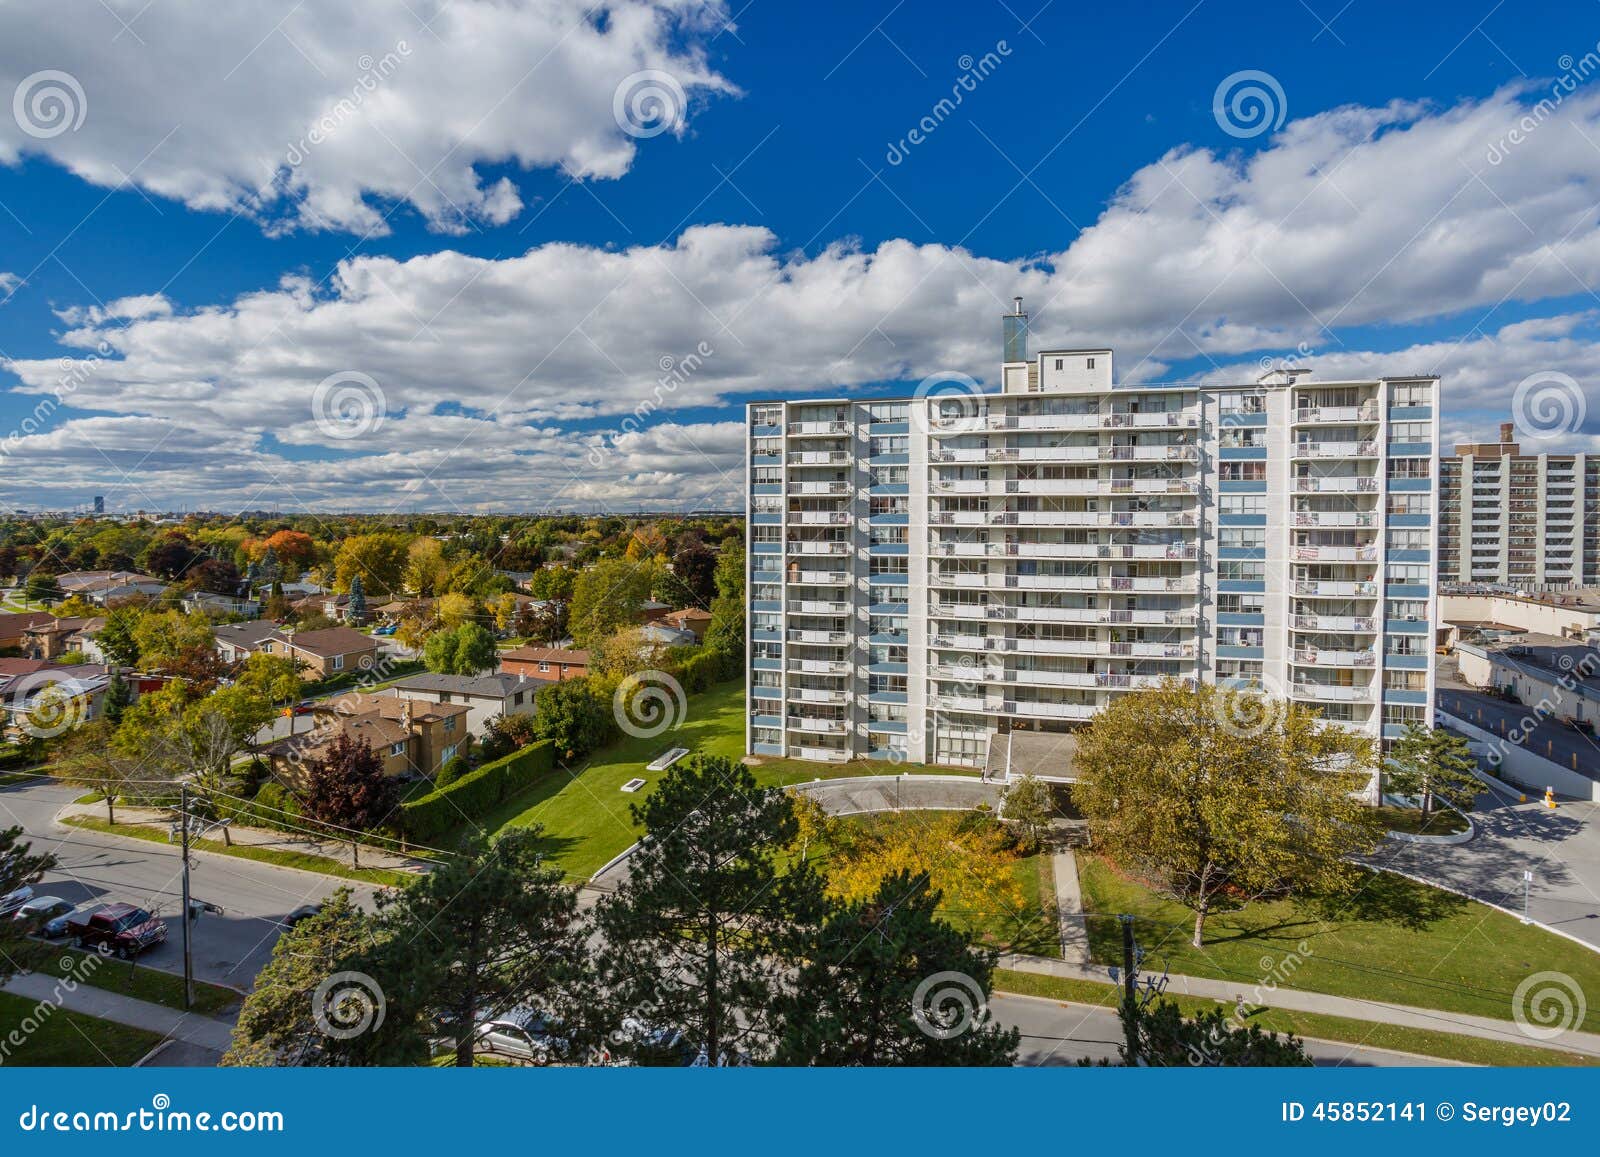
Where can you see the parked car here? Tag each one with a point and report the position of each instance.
(40, 910)
(304, 912)
(522, 1034)
(120, 930)
(58, 926)
(11, 901)
(384, 631)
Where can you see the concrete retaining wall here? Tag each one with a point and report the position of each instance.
(1517, 765)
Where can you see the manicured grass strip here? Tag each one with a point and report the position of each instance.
(1346, 1030)
(302, 860)
(130, 978)
(585, 812)
(53, 1036)
(1395, 940)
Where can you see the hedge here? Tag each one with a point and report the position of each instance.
(435, 815)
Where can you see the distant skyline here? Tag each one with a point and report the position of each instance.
(516, 257)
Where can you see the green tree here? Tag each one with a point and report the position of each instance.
(19, 867)
(607, 597)
(42, 588)
(88, 758)
(573, 718)
(491, 929)
(356, 609)
(380, 560)
(862, 996)
(309, 987)
(1027, 804)
(553, 582)
(1167, 1039)
(274, 678)
(1214, 795)
(464, 650)
(117, 639)
(1431, 763)
(118, 698)
(693, 934)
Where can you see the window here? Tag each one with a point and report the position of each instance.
(338, 662)
(1242, 504)
(1416, 394)
(1239, 636)
(1089, 364)
(1248, 537)
(889, 411)
(1241, 604)
(890, 475)
(1242, 571)
(766, 475)
(1243, 471)
(397, 748)
(1061, 363)
(450, 725)
(891, 564)
(887, 535)
(1405, 609)
(516, 700)
(543, 666)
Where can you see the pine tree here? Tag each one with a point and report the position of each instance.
(1430, 762)
(19, 867)
(886, 982)
(356, 608)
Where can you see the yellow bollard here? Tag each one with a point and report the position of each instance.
(1549, 797)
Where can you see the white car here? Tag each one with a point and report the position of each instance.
(11, 901)
(41, 912)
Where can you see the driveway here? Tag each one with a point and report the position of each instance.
(229, 948)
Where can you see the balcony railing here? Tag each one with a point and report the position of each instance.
(1316, 657)
(1336, 484)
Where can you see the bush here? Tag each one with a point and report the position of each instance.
(450, 772)
(435, 815)
(274, 806)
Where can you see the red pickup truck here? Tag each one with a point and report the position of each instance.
(118, 929)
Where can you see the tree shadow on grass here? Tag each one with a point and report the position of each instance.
(1386, 898)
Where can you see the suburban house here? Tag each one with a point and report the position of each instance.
(25, 685)
(661, 635)
(48, 639)
(545, 663)
(210, 603)
(103, 586)
(14, 628)
(323, 653)
(86, 640)
(411, 738)
(485, 696)
(691, 619)
(651, 611)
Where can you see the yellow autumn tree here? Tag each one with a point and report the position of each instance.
(966, 857)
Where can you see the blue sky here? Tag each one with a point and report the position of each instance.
(784, 220)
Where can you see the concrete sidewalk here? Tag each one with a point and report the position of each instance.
(1074, 928)
(1298, 1000)
(337, 850)
(188, 1028)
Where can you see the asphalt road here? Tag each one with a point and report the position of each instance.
(1060, 1034)
(229, 948)
(1553, 740)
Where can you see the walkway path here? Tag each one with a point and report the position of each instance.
(206, 1033)
(1069, 908)
(1485, 1027)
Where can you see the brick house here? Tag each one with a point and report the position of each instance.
(411, 738)
(691, 619)
(321, 654)
(545, 663)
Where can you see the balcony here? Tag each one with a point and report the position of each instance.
(818, 695)
(1336, 518)
(830, 638)
(1152, 650)
(818, 607)
(1367, 448)
(1367, 553)
(835, 488)
(977, 705)
(1334, 624)
(804, 429)
(817, 726)
(1170, 419)
(819, 458)
(800, 546)
(1317, 589)
(820, 754)
(819, 666)
(1331, 693)
(1035, 710)
(820, 578)
(1316, 657)
(1337, 484)
(1336, 415)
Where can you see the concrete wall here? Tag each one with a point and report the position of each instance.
(1522, 768)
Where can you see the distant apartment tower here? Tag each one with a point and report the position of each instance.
(929, 573)
(1512, 519)
(99, 504)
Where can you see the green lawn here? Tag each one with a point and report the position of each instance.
(1372, 1034)
(61, 1038)
(1394, 940)
(585, 812)
(141, 983)
(1443, 821)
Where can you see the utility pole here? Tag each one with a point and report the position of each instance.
(188, 955)
(1130, 989)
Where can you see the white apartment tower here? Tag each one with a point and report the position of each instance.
(929, 573)
(1518, 520)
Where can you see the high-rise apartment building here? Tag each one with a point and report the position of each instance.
(929, 573)
(1519, 520)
